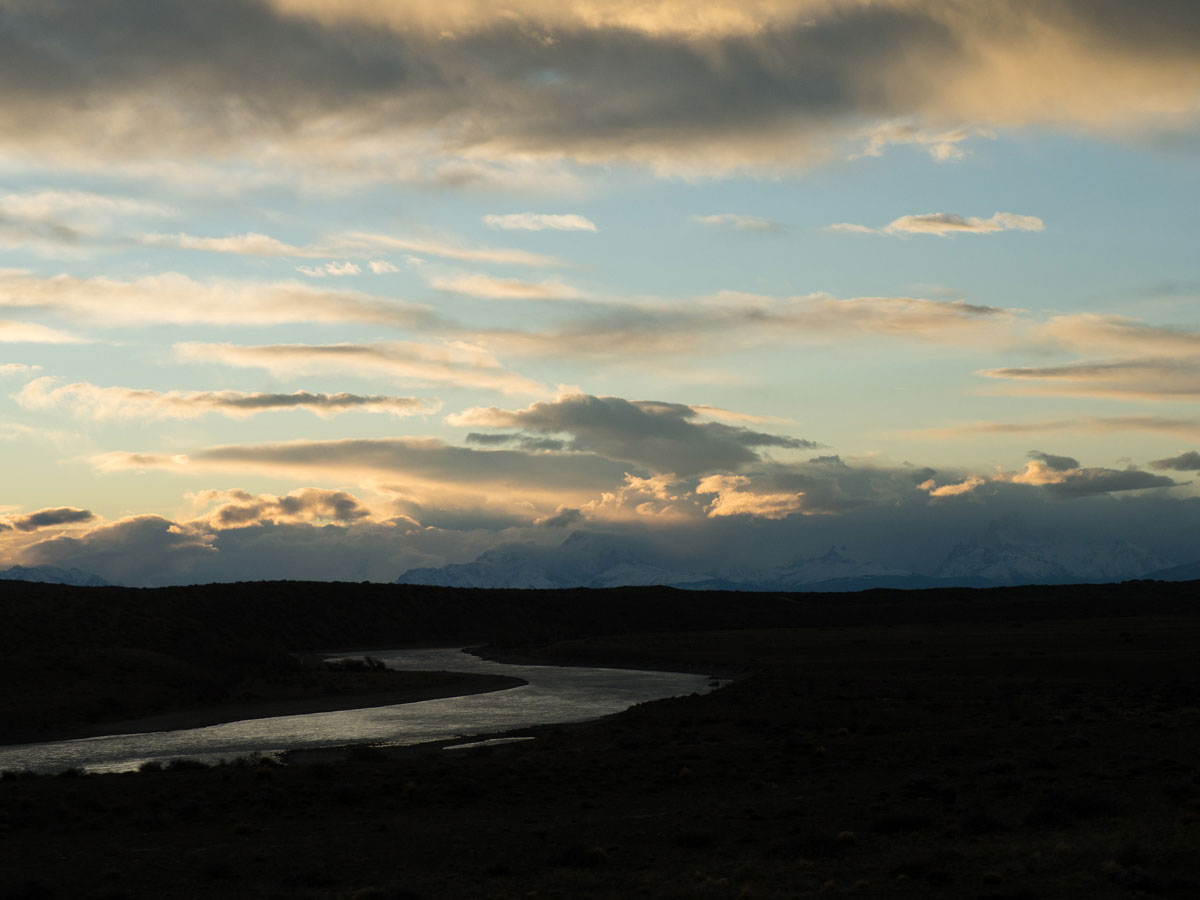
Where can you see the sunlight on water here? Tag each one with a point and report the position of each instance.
(554, 694)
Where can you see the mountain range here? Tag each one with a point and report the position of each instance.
(52, 575)
(1002, 555)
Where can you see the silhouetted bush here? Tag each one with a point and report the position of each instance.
(186, 765)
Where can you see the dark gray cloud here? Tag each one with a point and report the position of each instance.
(1089, 482)
(600, 331)
(47, 518)
(540, 79)
(143, 550)
(1189, 461)
(304, 399)
(561, 519)
(663, 436)
(244, 509)
(1146, 378)
(1057, 463)
(448, 517)
(521, 441)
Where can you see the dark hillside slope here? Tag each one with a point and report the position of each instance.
(74, 656)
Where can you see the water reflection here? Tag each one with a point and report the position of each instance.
(553, 695)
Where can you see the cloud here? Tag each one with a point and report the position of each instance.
(60, 218)
(660, 435)
(563, 516)
(367, 243)
(731, 320)
(947, 224)
(1060, 477)
(32, 333)
(505, 289)
(717, 412)
(46, 518)
(430, 471)
(1055, 463)
(705, 86)
(330, 268)
(662, 499)
(1076, 482)
(249, 244)
(467, 501)
(522, 441)
(1131, 379)
(233, 535)
(176, 299)
(240, 509)
(740, 222)
(382, 267)
(360, 244)
(1094, 333)
(48, 203)
(1187, 428)
(731, 500)
(449, 363)
(959, 489)
(1184, 462)
(942, 145)
(1121, 358)
(17, 369)
(137, 550)
(95, 402)
(539, 222)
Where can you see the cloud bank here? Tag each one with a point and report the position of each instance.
(946, 224)
(662, 436)
(95, 402)
(357, 85)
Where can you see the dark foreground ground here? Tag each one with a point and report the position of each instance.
(1045, 755)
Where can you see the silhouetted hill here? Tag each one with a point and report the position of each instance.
(109, 652)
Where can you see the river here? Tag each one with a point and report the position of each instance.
(554, 694)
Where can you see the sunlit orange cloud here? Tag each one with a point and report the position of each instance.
(32, 333)
(683, 18)
(406, 361)
(490, 288)
(354, 243)
(172, 298)
(427, 469)
(662, 498)
(732, 500)
(1095, 333)
(947, 224)
(958, 489)
(729, 415)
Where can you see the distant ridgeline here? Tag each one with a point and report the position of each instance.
(1001, 556)
(250, 619)
(52, 575)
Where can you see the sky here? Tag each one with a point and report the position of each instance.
(334, 288)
